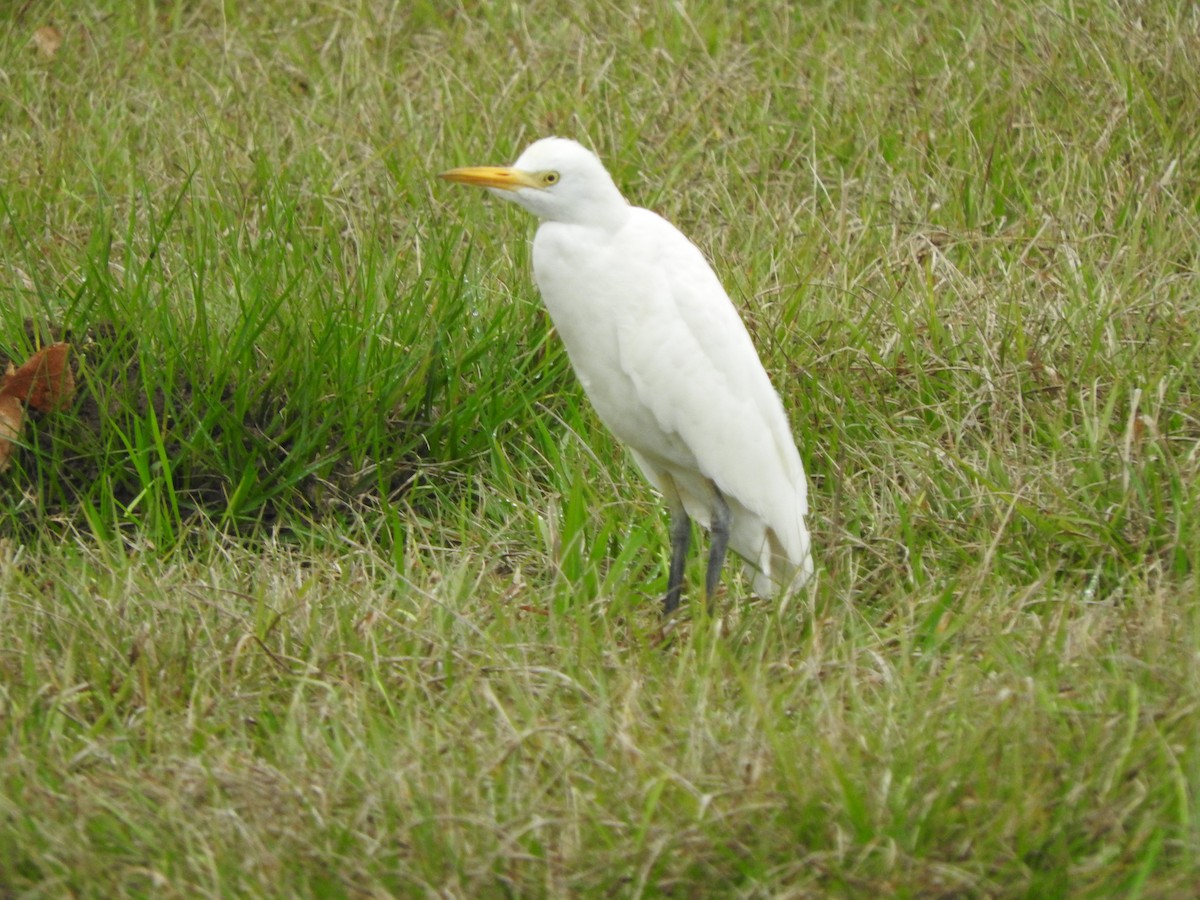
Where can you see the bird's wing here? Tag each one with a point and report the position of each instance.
(692, 363)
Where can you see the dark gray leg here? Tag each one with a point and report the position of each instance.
(681, 534)
(718, 544)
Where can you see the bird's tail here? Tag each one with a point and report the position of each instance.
(777, 572)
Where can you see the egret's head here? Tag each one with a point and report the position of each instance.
(555, 179)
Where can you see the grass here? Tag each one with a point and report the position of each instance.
(331, 584)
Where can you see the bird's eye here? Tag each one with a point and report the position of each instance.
(549, 178)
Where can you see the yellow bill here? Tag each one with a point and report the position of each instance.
(500, 177)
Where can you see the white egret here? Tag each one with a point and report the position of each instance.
(667, 363)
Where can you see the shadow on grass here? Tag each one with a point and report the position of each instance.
(197, 447)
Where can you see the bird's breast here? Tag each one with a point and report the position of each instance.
(582, 293)
(581, 279)
(595, 287)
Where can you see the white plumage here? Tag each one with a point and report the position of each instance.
(666, 361)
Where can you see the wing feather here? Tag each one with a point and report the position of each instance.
(693, 365)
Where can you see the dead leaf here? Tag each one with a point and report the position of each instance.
(44, 381)
(11, 413)
(47, 40)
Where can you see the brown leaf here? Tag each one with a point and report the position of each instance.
(47, 40)
(11, 412)
(44, 381)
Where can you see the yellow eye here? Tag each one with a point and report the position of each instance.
(549, 178)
